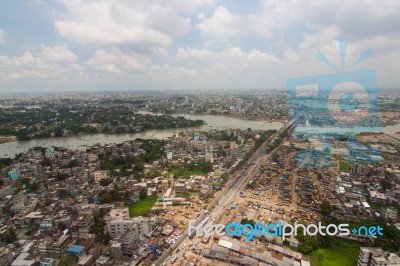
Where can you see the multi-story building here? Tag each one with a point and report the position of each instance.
(119, 222)
(377, 197)
(146, 225)
(83, 223)
(377, 257)
(131, 240)
(116, 249)
(54, 246)
(99, 175)
(6, 256)
(92, 157)
(180, 188)
(389, 214)
(357, 169)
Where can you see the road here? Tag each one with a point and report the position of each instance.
(224, 198)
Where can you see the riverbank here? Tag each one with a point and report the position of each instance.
(256, 119)
(81, 142)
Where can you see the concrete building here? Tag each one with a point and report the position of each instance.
(377, 197)
(76, 250)
(6, 256)
(180, 188)
(146, 225)
(83, 223)
(116, 250)
(99, 175)
(47, 262)
(377, 257)
(86, 260)
(357, 169)
(24, 259)
(119, 222)
(246, 254)
(130, 241)
(389, 214)
(54, 246)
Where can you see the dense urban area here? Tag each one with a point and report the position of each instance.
(131, 203)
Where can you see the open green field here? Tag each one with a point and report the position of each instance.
(139, 208)
(344, 166)
(183, 173)
(342, 253)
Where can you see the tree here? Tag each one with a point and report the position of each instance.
(247, 221)
(61, 177)
(386, 184)
(153, 173)
(105, 182)
(68, 260)
(309, 245)
(98, 229)
(143, 194)
(326, 208)
(63, 193)
(9, 236)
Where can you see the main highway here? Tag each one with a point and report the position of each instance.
(224, 197)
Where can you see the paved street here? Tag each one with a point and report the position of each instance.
(222, 200)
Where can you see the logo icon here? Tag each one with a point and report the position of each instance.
(335, 106)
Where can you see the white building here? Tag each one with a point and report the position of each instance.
(377, 197)
(47, 262)
(377, 257)
(119, 222)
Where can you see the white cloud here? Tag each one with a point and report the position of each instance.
(58, 53)
(354, 19)
(115, 62)
(234, 53)
(273, 17)
(123, 22)
(221, 25)
(200, 16)
(189, 6)
(193, 53)
(49, 63)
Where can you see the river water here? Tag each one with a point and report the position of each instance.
(81, 142)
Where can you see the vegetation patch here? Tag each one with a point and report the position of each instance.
(344, 166)
(341, 252)
(141, 207)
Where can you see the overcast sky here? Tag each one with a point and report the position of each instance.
(190, 44)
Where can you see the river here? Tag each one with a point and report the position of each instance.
(81, 142)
